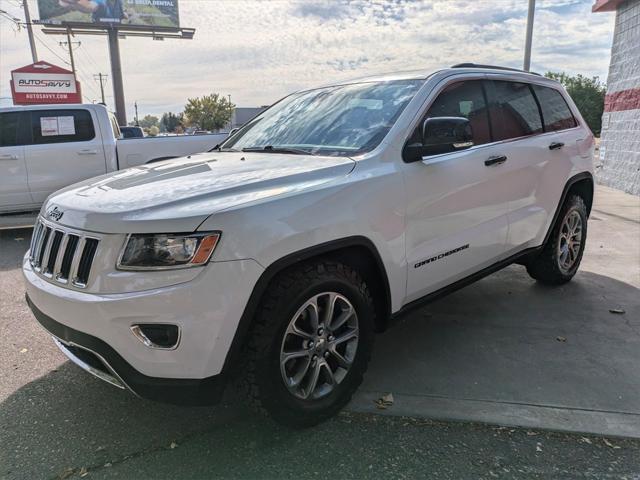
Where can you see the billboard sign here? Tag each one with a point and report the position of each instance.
(42, 83)
(130, 13)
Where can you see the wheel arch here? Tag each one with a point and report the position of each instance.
(581, 184)
(356, 251)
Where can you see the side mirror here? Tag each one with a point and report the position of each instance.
(440, 135)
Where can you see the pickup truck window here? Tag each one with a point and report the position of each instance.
(341, 120)
(59, 126)
(9, 129)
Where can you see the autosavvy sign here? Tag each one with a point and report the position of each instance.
(42, 83)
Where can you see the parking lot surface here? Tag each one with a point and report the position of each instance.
(504, 351)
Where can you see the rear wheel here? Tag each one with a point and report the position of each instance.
(560, 258)
(311, 343)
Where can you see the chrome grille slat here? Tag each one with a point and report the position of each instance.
(67, 257)
(61, 252)
(54, 250)
(43, 254)
(61, 255)
(38, 245)
(34, 239)
(76, 260)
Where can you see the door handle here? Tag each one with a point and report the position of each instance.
(87, 151)
(9, 156)
(495, 160)
(556, 146)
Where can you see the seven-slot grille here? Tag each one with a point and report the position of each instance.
(64, 256)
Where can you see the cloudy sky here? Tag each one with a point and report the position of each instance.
(257, 51)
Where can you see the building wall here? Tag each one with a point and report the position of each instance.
(619, 162)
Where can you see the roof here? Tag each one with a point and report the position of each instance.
(606, 5)
(41, 67)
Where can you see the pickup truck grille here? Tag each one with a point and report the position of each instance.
(61, 255)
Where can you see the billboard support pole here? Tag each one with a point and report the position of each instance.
(116, 76)
(32, 42)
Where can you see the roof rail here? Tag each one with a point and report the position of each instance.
(495, 67)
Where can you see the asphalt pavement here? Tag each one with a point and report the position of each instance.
(480, 381)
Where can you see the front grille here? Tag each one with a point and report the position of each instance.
(63, 256)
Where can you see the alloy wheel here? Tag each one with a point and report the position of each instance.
(319, 346)
(570, 241)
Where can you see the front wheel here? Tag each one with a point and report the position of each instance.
(560, 258)
(311, 343)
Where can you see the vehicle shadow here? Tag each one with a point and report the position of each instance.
(67, 420)
(509, 339)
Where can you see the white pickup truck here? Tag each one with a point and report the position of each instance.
(47, 147)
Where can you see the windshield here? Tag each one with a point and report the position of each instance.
(338, 120)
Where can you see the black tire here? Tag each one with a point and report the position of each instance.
(285, 296)
(546, 266)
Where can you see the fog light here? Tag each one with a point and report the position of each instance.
(161, 336)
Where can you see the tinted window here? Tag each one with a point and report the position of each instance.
(514, 111)
(57, 126)
(555, 111)
(9, 129)
(464, 99)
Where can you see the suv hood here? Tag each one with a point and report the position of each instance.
(178, 195)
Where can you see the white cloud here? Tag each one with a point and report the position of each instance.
(258, 51)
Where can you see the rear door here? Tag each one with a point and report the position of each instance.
(537, 165)
(456, 219)
(66, 147)
(14, 188)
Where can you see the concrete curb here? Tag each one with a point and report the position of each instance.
(547, 417)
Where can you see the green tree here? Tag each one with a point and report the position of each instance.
(587, 93)
(170, 121)
(210, 112)
(149, 121)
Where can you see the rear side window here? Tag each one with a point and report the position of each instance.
(9, 129)
(514, 110)
(59, 126)
(464, 99)
(555, 111)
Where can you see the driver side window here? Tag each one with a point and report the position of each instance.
(462, 99)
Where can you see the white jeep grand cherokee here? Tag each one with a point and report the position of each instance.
(275, 257)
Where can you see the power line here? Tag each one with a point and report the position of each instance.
(44, 44)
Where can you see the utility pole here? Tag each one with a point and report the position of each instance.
(32, 41)
(99, 77)
(135, 105)
(69, 44)
(527, 44)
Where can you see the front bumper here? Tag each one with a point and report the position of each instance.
(97, 328)
(102, 361)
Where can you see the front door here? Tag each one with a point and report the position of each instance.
(14, 188)
(457, 217)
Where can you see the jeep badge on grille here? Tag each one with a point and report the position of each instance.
(55, 213)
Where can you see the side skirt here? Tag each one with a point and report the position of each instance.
(430, 297)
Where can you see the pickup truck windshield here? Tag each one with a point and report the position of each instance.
(341, 120)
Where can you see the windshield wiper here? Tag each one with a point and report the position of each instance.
(277, 149)
(220, 149)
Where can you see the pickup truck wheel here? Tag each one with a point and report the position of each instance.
(560, 258)
(311, 343)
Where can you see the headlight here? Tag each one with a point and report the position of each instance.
(167, 250)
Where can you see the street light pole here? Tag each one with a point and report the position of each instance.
(527, 45)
